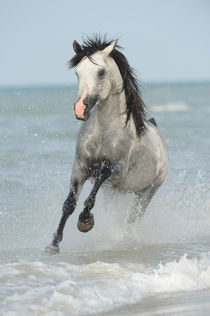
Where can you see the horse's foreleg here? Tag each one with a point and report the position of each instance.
(68, 208)
(86, 219)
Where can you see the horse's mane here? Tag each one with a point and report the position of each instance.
(134, 102)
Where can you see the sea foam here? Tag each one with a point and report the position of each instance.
(36, 288)
(170, 107)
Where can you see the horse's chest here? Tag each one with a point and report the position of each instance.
(110, 148)
(105, 147)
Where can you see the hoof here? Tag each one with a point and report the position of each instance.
(86, 225)
(51, 250)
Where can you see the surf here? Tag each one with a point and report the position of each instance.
(87, 289)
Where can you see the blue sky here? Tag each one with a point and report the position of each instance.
(162, 39)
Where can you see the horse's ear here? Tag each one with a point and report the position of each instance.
(109, 49)
(77, 47)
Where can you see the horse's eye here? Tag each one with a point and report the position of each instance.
(101, 73)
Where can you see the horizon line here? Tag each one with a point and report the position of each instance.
(71, 84)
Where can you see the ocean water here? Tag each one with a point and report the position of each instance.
(158, 266)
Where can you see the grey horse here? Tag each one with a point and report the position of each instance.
(116, 144)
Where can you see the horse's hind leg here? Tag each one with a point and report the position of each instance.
(86, 219)
(141, 201)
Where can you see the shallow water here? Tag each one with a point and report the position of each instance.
(152, 267)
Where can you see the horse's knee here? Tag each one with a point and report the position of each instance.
(69, 205)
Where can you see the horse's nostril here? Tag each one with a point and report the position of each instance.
(86, 101)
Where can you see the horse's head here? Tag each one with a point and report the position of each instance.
(95, 79)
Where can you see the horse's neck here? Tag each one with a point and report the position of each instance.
(113, 110)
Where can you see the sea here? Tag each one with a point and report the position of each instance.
(157, 266)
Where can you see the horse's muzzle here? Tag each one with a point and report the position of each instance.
(84, 106)
(84, 113)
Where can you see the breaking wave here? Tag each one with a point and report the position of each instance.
(64, 289)
(170, 107)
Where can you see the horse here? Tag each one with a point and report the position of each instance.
(116, 145)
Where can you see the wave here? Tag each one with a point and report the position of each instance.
(66, 289)
(170, 107)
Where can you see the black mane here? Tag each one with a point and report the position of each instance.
(134, 102)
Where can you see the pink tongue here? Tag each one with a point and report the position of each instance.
(79, 106)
